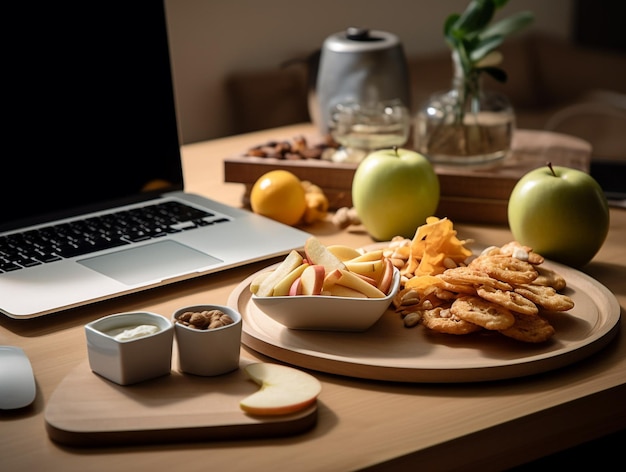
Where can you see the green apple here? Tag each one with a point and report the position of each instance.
(562, 213)
(393, 192)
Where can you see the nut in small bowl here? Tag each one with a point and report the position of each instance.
(327, 312)
(208, 338)
(131, 347)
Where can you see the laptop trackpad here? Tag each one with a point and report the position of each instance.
(159, 260)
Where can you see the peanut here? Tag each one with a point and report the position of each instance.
(412, 319)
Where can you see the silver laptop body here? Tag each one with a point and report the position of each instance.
(92, 108)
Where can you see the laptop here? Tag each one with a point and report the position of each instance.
(94, 151)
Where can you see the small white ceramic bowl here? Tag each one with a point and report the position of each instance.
(125, 359)
(208, 352)
(327, 313)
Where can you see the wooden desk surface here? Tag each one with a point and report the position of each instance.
(362, 424)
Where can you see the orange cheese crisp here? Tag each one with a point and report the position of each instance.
(434, 243)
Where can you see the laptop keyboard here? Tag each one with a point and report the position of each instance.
(76, 238)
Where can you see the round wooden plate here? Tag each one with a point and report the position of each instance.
(389, 351)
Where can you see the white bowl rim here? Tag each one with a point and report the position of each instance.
(110, 322)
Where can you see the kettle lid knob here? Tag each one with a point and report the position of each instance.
(358, 34)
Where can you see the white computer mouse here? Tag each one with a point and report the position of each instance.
(17, 381)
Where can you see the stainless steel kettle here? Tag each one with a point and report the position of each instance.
(358, 65)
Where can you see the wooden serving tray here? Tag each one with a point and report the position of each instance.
(388, 351)
(89, 410)
(469, 194)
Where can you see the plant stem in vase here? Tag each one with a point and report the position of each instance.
(466, 125)
(469, 125)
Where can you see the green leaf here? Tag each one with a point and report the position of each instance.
(476, 16)
(447, 25)
(471, 37)
(482, 48)
(500, 3)
(508, 25)
(448, 32)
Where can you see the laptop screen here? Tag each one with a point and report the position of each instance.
(90, 109)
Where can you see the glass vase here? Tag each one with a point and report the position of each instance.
(466, 125)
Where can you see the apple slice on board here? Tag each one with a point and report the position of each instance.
(283, 390)
(317, 253)
(312, 279)
(266, 287)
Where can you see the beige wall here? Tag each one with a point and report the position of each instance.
(212, 38)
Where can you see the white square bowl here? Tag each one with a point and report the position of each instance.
(133, 360)
(208, 352)
(327, 313)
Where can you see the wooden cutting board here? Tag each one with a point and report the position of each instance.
(89, 410)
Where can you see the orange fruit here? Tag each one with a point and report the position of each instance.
(279, 195)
